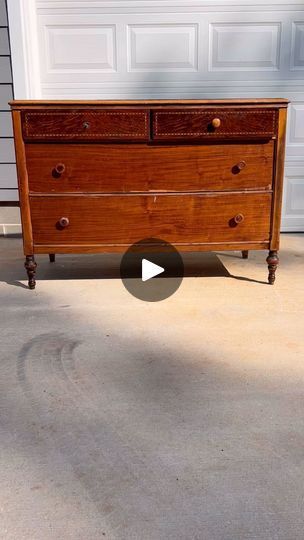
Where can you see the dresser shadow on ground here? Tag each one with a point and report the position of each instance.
(99, 266)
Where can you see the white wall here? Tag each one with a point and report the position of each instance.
(104, 49)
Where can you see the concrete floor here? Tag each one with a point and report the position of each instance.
(179, 420)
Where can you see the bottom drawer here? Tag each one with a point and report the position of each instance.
(175, 218)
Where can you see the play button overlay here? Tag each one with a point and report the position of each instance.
(152, 269)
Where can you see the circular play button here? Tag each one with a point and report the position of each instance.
(151, 269)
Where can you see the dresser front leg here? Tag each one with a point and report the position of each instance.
(30, 266)
(245, 254)
(272, 261)
(52, 257)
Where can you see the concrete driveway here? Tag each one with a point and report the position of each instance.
(174, 420)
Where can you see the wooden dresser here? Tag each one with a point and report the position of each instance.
(97, 176)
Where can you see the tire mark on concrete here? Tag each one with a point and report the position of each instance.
(116, 478)
(160, 494)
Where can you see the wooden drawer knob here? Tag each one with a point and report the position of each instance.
(238, 218)
(241, 165)
(86, 125)
(64, 222)
(59, 169)
(216, 123)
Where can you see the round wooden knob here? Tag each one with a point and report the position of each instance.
(216, 123)
(64, 222)
(59, 168)
(238, 218)
(86, 125)
(240, 165)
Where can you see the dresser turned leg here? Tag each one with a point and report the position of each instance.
(272, 261)
(30, 266)
(245, 254)
(52, 257)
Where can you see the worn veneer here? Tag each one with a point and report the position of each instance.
(96, 176)
(60, 168)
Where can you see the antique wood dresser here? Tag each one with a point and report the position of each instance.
(97, 176)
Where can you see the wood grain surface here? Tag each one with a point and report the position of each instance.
(85, 104)
(117, 168)
(174, 218)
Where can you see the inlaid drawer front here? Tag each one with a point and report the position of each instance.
(119, 124)
(126, 219)
(59, 168)
(216, 123)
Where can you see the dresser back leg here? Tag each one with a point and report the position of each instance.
(52, 257)
(245, 254)
(30, 266)
(272, 261)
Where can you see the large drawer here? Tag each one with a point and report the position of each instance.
(126, 219)
(86, 125)
(214, 123)
(58, 168)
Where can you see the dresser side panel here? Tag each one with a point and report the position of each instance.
(278, 181)
(23, 184)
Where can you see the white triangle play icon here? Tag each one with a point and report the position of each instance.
(150, 270)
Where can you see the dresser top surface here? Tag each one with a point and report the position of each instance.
(266, 102)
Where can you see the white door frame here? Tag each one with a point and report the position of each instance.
(24, 48)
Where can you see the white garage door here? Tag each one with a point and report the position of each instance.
(103, 49)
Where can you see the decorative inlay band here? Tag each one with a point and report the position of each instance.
(217, 112)
(89, 135)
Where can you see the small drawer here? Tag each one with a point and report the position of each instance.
(214, 124)
(84, 125)
(125, 219)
